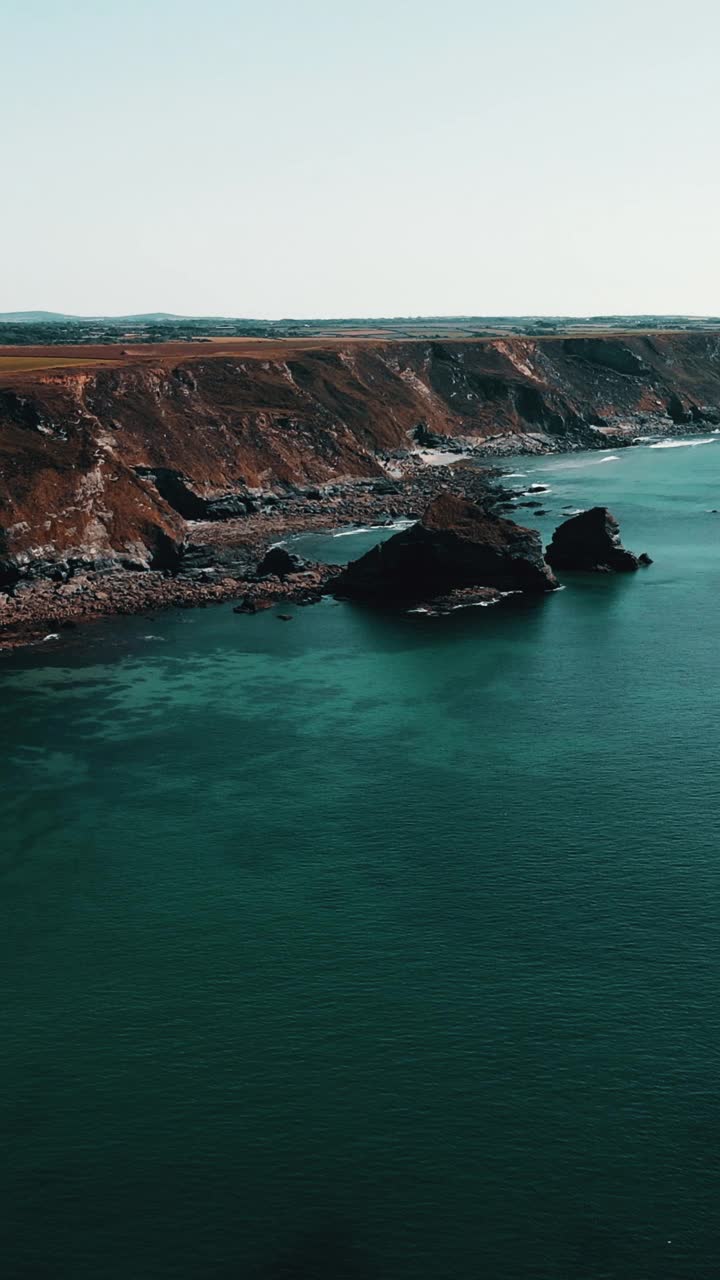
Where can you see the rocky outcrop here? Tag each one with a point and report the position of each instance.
(280, 563)
(306, 586)
(457, 546)
(591, 541)
(178, 493)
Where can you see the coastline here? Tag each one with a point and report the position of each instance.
(221, 557)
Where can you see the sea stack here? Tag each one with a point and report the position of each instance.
(456, 554)
(591, 541)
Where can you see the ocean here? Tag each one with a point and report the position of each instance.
(371, 945)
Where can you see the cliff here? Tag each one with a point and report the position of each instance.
(105, 458)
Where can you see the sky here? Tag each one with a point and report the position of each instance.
(360, 157)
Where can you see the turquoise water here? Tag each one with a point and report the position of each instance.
(367, 946)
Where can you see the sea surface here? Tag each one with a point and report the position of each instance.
(376, 946)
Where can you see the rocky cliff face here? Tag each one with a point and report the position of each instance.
(107, 464)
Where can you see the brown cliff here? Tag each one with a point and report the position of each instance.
(106, 460)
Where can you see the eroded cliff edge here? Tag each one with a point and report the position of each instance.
(112, 466)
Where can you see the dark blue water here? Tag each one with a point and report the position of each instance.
(363, 946)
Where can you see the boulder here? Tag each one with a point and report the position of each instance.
(591, 541)
(281, 563)
(253, 604)
(456, 545)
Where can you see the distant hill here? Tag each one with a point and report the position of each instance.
(342, 322)
(52, 317)
(32, 317)
(147, 317)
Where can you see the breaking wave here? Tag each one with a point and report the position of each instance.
(586, 462)
(349, 533)
(396, 526)
(680, 444)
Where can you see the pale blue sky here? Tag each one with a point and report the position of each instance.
(339, 157)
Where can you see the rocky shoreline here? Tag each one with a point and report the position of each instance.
(220, 559)
(161, 478)
(231, 559)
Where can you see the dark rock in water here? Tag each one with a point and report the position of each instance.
(462, 598)
(280, 562)
(253, 604)
(285, 617)
(590, 541)
(455, 545)
(645, 559)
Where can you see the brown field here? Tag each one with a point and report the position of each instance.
(13, 364)
(16, 360)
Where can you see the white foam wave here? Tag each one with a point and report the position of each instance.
(374, 528)
(586, 462)
(476, 604)
(680, 444)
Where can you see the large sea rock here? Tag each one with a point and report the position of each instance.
(283, 564)
(456, 552)
(591, 541)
